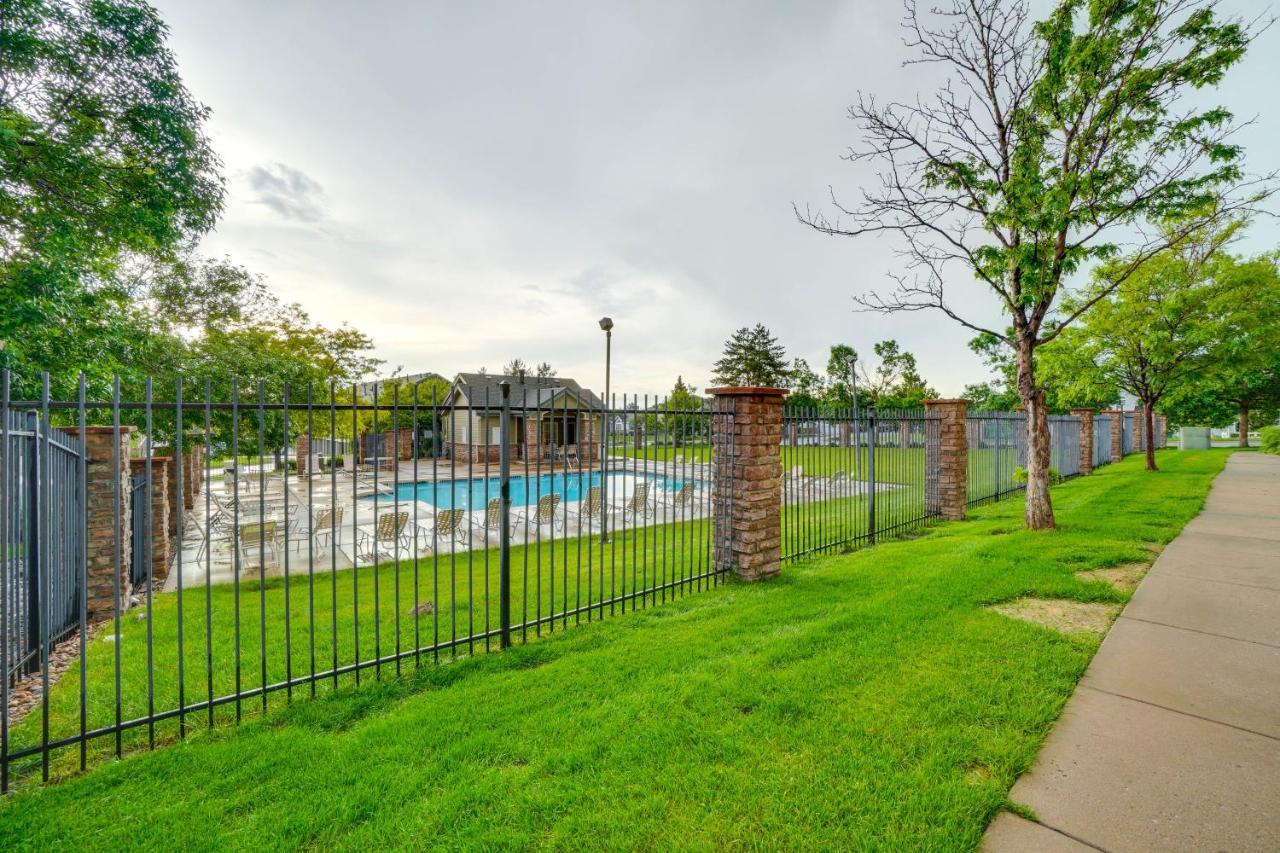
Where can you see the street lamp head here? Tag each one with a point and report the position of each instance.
(606, 324)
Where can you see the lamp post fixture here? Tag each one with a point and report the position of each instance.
(852, 360)
(606, 324)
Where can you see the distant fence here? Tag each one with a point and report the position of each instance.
(847, 480)
(1101, 440)
(997, 448)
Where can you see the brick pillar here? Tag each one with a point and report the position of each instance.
(746, 496)
(947, 465)
(188, 479)
(1139, 431)
(1162, 432)
(159, 497)
(100, 529)
(302, 452)
(1086, 439)
(1117, 434)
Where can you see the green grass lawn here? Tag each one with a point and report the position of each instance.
(863, 700)
(347, 616)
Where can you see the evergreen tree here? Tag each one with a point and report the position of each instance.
(753, 357)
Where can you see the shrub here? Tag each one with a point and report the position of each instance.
(1270, 438)
(1020, 476)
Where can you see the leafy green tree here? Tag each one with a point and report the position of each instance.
(1049, 149)
(753, 357)
(1178, 317)
(1244, 388)
(989, 397)
(807, 387)
(838, 392)
(675, 420)
(895, 381)
(102, 156)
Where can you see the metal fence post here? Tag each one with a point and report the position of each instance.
(504, 517)
(996, 482)
(871, 475)
(34, 551)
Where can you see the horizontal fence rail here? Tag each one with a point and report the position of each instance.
(848, 479)
(291, 542)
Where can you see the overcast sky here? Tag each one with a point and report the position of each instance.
(468, 182)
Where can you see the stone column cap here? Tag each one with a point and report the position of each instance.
(96, 430)
(1081, 411)
(952, 401)
(748, 390)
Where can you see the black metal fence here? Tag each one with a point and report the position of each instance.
(288, 580)
(850, 479)
(997, 445)
(41, 538)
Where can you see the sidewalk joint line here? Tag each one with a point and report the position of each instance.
(1219, 580)
(1180, 712)
(1198, 631)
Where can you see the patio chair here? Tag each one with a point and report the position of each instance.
(592, 508)
(388, 532)
(261, 537)
(682, 499)
(545, 513)
(638, 503)
(323, 531)
(448, 526)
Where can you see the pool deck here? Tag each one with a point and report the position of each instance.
(300, 497)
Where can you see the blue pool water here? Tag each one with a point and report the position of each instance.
(525, 491)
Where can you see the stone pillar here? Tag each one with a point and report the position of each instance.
(160, 494)
(1117, 434)
(100, 530)
(1139, 431)
(947, 464)
(302, 453)
(746, 496)
(1162, 432)
(1086, 439)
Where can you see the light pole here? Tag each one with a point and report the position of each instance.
(851, 360)
(606, 324)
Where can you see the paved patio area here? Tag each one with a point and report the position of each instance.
(1172, 739)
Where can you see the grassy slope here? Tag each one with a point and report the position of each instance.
(862, 700)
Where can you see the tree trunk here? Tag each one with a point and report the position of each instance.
(1149, 433)
(1244, 425)
(1039, 513)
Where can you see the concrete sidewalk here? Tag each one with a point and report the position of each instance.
(1172, 739)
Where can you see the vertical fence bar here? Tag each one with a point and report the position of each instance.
(179, 470)
(83, 523)
(504, 516)
(871, 475)
(6, 609)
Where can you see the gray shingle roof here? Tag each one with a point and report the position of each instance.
(529, 391)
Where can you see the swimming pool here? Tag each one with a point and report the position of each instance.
(525, 491)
